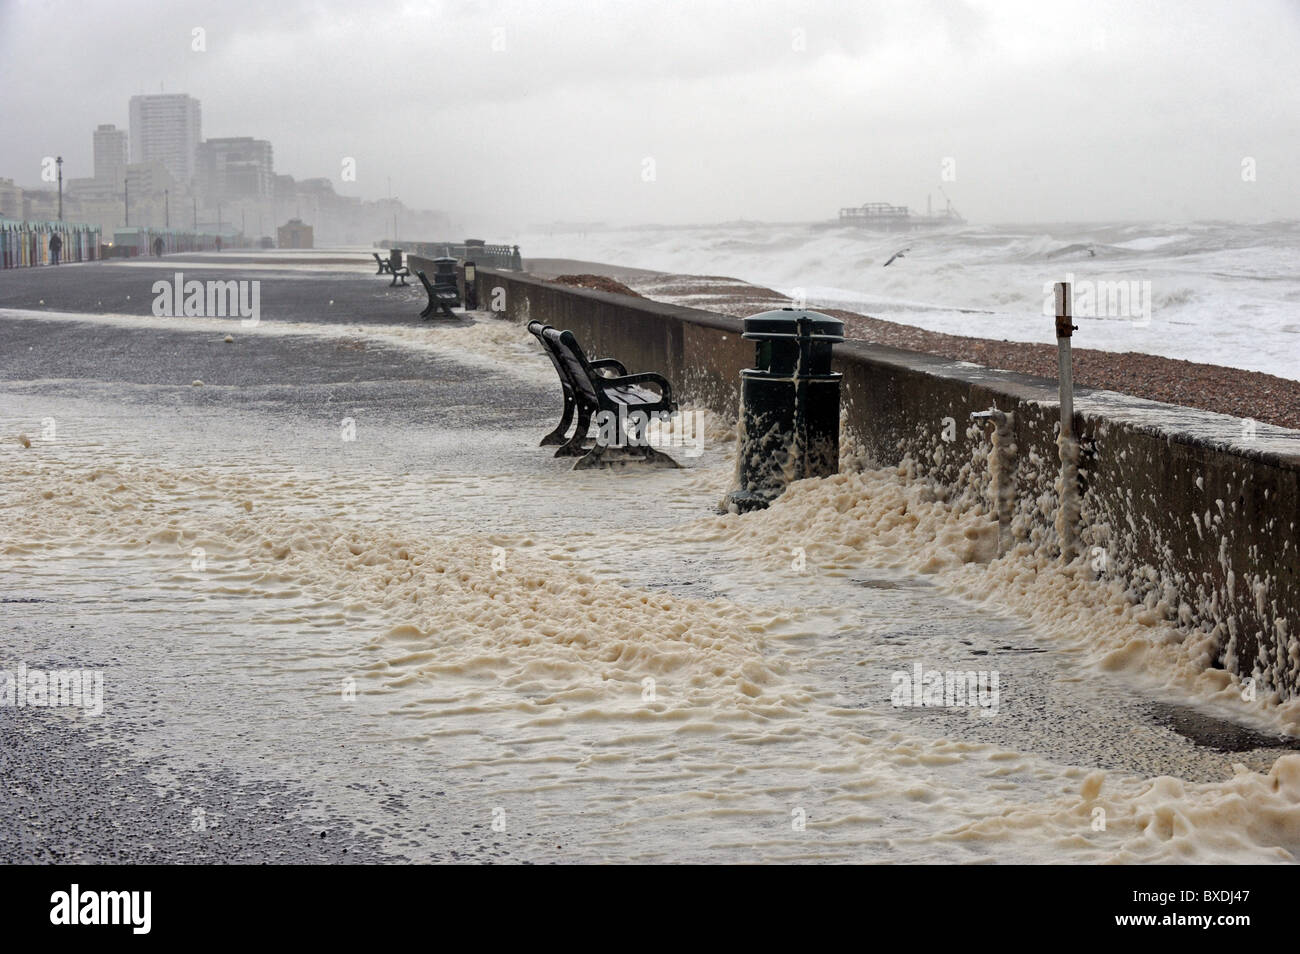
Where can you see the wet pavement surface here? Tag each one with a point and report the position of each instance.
(329, 292)
(226, 740)
(283, 375)
(72, 797)
(89, 790)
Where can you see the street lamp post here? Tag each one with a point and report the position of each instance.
(59, 162)
(167, 208)
(126, 199)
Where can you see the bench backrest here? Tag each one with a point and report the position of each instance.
(537, 329)
(574, 361)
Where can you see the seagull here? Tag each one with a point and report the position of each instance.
(896, 255)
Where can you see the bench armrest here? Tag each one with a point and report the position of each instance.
(601, 363)
(645, 377)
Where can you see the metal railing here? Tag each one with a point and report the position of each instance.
(133, 241)
(482, 254)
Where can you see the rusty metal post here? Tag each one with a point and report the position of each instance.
(1064, 331)
(1068, 505)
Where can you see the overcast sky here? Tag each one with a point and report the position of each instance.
(518, 113)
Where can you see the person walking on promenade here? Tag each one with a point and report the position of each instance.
(56, 246)
(158, 247)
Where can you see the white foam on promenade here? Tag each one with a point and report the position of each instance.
(513, 653)
(500, 616)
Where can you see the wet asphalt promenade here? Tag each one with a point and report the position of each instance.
(80, 790)
(140, 784)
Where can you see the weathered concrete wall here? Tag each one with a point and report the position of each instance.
(1193, 513)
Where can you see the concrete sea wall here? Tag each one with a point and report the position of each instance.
(1195, 513)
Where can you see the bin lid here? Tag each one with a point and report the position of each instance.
(784, 323)
(444, 260)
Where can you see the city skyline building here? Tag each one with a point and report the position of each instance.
(112, 153)
(236, 167)
(167, 127)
